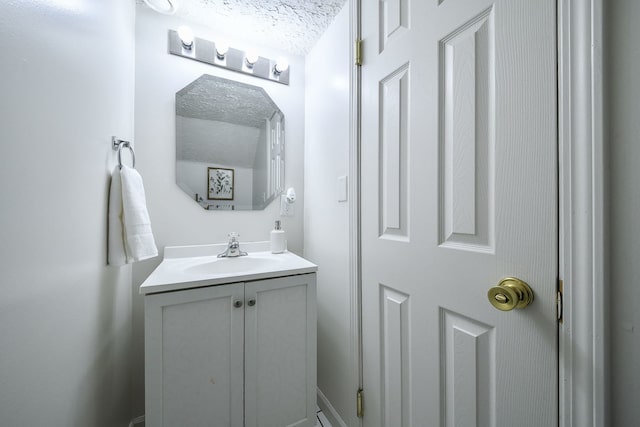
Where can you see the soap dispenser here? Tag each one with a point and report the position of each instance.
(278, 239)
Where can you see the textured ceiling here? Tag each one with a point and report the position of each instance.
(290, 25)
(218, 99)
(221, 121)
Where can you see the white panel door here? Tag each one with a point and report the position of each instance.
(459, 190)
(280, 352)
(194, 357)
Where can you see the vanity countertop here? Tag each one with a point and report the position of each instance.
(185, 267)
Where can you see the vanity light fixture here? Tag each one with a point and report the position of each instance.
(166, 7)
(186, 37)
(281, 66)
(251, 57)
(220, 54)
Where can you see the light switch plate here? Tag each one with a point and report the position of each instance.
(342, 189)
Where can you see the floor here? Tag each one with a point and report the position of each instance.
(322, 419)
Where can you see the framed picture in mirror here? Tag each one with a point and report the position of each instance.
(220, 183)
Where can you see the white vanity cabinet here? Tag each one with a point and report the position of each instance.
(232, 355)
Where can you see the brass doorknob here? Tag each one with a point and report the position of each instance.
(509, 294)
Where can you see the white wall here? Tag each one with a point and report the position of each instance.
(66, 86)
(176, 218)
(326, 221)
(234, 144)
(622, 92)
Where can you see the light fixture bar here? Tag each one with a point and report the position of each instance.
(234, 59)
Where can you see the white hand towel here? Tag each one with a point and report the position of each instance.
(138, 237)
(130, 235)
(116, 253)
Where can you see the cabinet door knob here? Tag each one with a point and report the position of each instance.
(237, 303)
(252, 302)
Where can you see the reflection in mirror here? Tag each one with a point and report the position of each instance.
(229, 144)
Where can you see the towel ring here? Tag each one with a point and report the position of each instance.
(117, 145)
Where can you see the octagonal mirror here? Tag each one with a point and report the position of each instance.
(229, 144)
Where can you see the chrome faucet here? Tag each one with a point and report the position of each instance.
(233, 248)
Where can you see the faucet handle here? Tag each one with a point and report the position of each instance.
(233, 236)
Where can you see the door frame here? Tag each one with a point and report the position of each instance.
(583, 334)
(582, 380)
(355, 260)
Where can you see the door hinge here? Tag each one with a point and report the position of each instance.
(359, 404)
(559, 300)
(358, 52)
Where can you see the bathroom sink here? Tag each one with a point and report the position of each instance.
(185, 267)
(234, 265)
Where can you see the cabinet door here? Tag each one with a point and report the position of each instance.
(193, 353)
(280, 352)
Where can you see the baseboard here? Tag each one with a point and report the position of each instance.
(329, 411)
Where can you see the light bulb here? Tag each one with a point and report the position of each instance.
(186, 36)
(281, 66)
(251, 57)
(222, 47)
